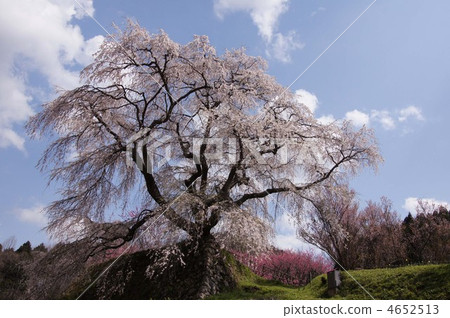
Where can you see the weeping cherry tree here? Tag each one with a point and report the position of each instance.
(205, 144)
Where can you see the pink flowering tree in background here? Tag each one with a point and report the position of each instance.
(295, 268)
(211, 139)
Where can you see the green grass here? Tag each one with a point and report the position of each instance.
(410, 282)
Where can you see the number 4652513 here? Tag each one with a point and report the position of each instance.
(414, 309)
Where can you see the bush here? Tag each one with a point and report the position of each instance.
(12, 276)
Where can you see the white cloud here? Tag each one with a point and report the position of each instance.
(317, 11)
(9, 137)
(265, 15)
(412, 203)
(386, 118)
(383, 117)
(38, 36)
(285, 223)
(410, 111)
(358, 118)
(286, 233)
(307, 98)
(13, 105)
(326, 119)
(32, 215)
(289, 242)
(282, 46)
(90, 47)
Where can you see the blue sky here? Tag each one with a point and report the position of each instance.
(390, 70)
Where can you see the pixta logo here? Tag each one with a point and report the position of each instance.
(148, 150)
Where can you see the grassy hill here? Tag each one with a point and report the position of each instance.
(411, 282)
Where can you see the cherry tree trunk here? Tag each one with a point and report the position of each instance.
(214, 274)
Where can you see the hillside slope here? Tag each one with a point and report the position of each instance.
(410, 282)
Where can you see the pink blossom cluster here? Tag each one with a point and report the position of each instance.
(289, 267)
